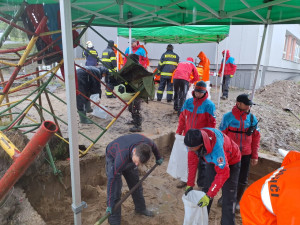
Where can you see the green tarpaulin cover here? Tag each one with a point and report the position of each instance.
(177, 34)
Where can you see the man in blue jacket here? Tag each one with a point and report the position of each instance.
(123, 155)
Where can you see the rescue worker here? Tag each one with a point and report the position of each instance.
(182, 80)
(88, 84)
(138, 50)
(110, 62)
(242, 127)
(91, 55)
(123, 155)
(223, 166)
(120, 61)
(197, 112)
(229, 71)
(204, 63)
(274, 199)
(166, 66)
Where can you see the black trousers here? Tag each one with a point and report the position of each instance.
(229, 191)
(134, 108)
(201, 172)
(181, 88)
(110, 82)
(245, 167)
(165, 81)
(131, 176)
(225, 85)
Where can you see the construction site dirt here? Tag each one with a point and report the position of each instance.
(40, 198)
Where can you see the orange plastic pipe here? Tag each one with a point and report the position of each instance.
(27, 156)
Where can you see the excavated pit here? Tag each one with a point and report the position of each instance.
(53, 202)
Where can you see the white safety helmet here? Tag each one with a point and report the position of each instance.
(89, 44)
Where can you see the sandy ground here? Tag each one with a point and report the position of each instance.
(278, 129)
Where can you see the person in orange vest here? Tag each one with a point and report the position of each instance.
(204, 63)
(274, 199)
(119, 58)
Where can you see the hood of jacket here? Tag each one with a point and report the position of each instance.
(202, 56)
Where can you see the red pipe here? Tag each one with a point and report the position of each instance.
(27, 156)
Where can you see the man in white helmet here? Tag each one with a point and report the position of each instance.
(91, 55)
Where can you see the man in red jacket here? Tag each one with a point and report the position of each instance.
(182, 80)
(229, 71)
(223, 158)
(242, 127)
(197, 112)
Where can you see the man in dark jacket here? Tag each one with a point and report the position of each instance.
(110, 62)
(223, 158)
(167, 64)
(123, 155)
(88, 84)
(91, 55)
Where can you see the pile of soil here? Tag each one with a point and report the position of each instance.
(279, 129)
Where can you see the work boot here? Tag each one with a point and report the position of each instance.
(110, 96)
(83, 119)
(224, 97)
(220, 202)
(136, 129)
(88, 107)
(181, 184)
(145, 212)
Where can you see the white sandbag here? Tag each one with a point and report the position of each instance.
(177, 166)
(189, 93)
(97, 111)
(193, 214)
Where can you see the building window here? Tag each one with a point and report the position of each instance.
(291, 50)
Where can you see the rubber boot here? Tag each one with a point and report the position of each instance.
(83, 119)
(145, 212)
(240, 191)
(88, 107)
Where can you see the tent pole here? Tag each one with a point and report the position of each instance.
(66, 28)
(222, 73)
(130, 50)
(259, 59)
(118, 53)
(217, 65)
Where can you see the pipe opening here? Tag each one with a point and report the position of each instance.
(50, 126)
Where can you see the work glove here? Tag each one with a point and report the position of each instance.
(188, 189)
(159, 161)
(108, 210)
(231, 76)
(204, 201)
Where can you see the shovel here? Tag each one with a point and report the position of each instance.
(127, 195)
(289, 110)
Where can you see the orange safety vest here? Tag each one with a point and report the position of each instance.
(274, 199)
(121, 61)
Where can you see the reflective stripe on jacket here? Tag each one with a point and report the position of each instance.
(168, 63)
(109, 58)
(91, 56)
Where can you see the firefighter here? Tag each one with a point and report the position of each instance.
(223, 158)
(242, 127)
(110, 62)
(88, 85)
(123, 155)
(274, 199)
(166, 66)
(91, 55)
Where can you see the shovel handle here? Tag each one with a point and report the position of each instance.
(102, 219)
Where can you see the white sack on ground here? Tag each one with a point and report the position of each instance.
(97, 111)
(177, 166)
(194, 215)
